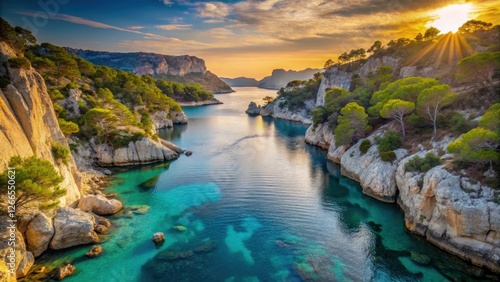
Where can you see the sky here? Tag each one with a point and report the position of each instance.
(235, 38)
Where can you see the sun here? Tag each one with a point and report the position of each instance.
(451, 17)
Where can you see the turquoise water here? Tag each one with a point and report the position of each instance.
(254, 203)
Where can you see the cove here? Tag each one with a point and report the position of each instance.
(256, 204)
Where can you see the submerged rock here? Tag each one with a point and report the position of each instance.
(205, 247)
(189, 153)
(94, 251)
(158, 237)
(64, 271)
(420, 258)
(150, 183)
(179, 228)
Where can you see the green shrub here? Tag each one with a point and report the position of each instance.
(55, 94)
(60, 111)
(364, 146)
(423, 164)
(68, 127)
(119, 140)
(389, 142)
(61, 153)
(388, 156)
(19, 63)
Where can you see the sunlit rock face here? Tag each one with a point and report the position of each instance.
(458, 216)
(333, 78)
(28, 124)
(144, 63)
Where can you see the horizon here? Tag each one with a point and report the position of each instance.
(240, 38)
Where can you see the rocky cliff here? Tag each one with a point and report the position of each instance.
(184, 69)
(333, 78)
(28, 124)
(448, 210)
(275, 110)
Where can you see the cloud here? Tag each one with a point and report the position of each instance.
(135, 27)
(174, 26)
(215, 10)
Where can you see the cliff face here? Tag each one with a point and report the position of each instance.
(184, 69)
(144, 63)
(332, 78)
(28, 124)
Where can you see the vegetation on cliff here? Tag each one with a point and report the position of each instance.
(80, 89)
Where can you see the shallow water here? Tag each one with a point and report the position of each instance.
(264, 205)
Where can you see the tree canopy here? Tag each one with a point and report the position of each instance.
(352, 124)
(37, 182)
(432, 100)
(397, 109)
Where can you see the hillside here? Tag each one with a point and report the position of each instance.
(240, 82)
(280, 77)
(182, 69)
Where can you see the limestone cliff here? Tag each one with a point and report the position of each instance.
(451, 212)
(332, 78)
(184, 69)
(28, 124)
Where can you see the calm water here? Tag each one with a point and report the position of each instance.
(257, 204)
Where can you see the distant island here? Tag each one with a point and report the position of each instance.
(278, 79)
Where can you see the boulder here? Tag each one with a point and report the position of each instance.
(21, 259)
(95, 251)
(189, 153)
(64, 271)
(253, 109)
(25, 264)
(158, 237)
(178, 117)
(99, 205)
(73, 227)
(38, 234)
(171, 146)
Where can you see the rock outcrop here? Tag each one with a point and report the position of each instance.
(159, 120)
(143, 151)
(454, 214)
(158, 237)
(332, 78)
(99, 205)
(320, 135)
(178, 117)
(253, 109)
(38, 234)
(28, 124)
(274, 110)
(377, 177)
(73, 227)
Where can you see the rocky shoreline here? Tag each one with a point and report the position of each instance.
(212, 101)
(450, 211)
